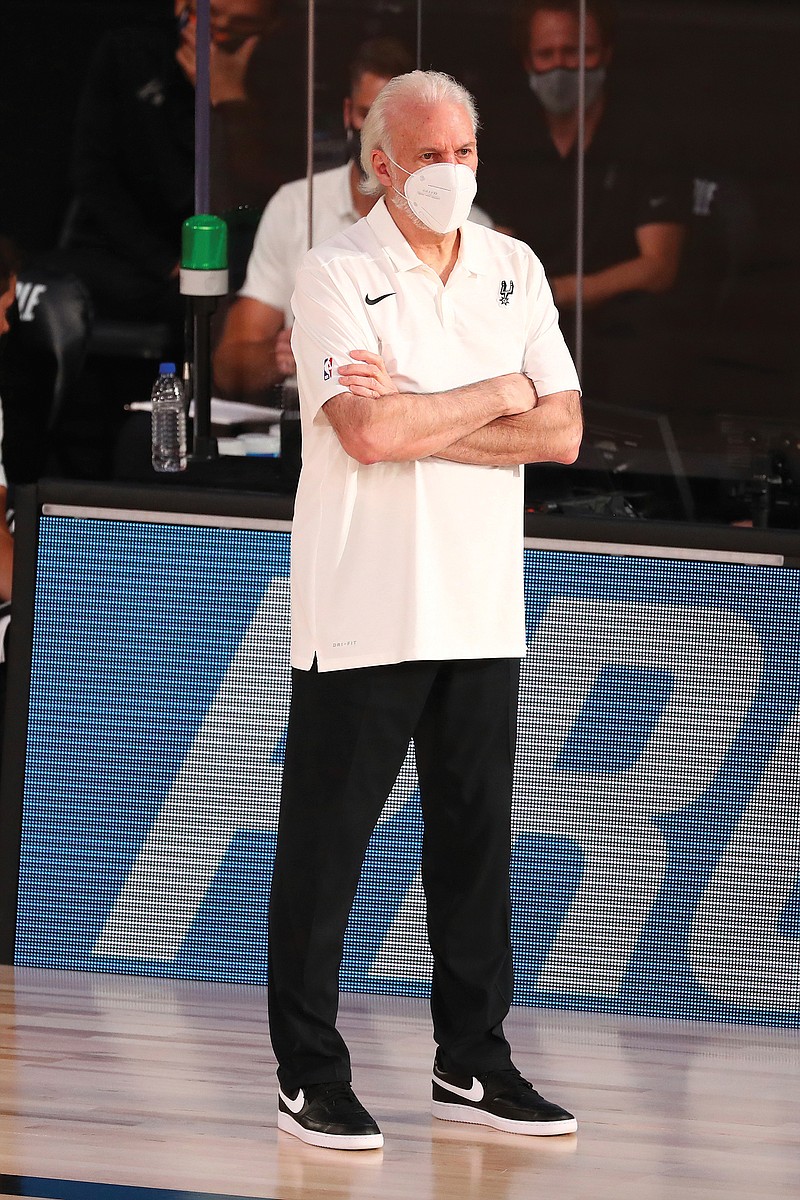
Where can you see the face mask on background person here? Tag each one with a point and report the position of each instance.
(557, 90)
(441, 195)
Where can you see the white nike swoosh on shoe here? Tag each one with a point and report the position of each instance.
(474, 1093)
(295, 1105)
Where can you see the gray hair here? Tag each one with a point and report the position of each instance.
(417, 87)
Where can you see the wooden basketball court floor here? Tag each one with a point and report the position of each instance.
(163, 1090)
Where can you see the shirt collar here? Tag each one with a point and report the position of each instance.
(471, 254)
(391, 239)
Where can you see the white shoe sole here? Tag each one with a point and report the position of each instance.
(476, 1116)
(331, 1141)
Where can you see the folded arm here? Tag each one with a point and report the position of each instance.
(253, 352)
(550, 432)
(655, 269)
(377, 423)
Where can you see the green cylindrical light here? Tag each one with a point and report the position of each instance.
(204, 256)
(204, 243)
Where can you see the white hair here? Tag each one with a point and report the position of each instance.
(417, 87)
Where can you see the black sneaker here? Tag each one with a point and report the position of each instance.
(500, 1099)
(328, 1114)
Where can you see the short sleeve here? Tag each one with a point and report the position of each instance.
(664, 195)
(270, 275)
(548, 362)
(328, 326)
(663, 198)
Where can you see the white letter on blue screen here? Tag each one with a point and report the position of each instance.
(738, 951)
(714, 659)
(228, 782)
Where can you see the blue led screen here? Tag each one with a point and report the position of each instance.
(656, 859)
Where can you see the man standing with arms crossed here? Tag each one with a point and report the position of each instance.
(430, 367)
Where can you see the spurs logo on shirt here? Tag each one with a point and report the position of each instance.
(506, 291)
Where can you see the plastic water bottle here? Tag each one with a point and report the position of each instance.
(169, 421)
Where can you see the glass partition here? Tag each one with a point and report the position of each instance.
(676, 278)
(687, 234)
(670, 242)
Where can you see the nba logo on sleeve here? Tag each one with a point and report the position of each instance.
(327, 369)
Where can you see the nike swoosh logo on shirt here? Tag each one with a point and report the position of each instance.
(293, 1105)
(474, 1093)
(378, 299)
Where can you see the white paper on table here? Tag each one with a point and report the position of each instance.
(225, 412)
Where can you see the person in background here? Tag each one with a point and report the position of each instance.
(430, 367)
(636, 206)
(133, 158)
(256, 61)
(254, 352)
(637, 202)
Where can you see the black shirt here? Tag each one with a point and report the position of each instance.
(133, 163)
(630, 180)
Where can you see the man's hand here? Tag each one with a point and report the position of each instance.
(367, 376)
(519, 392)
(550, 432)
(227, 69)
(185, 55)
(654, 270)
(253, 352)
(403, 426)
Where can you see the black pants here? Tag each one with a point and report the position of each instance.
(348, 735)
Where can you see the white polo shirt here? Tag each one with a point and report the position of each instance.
(414, 560)
(281, 239)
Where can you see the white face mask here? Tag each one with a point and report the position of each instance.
(441, 195)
